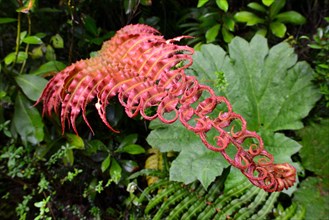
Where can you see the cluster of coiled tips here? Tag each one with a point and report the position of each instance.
(145, 71)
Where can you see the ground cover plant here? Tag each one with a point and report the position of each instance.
(253, 98)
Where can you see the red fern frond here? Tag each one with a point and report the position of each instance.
(141, 68)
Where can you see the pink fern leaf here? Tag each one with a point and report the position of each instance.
(144, 70)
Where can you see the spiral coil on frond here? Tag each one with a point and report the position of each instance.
(144, 70)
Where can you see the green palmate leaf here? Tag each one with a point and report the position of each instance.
(195, 162)
(268, 88)
(313, 195)
(292, 17)
(212, 33)
(31, 85)
(248, 17)
(163, 137)
(222, 4)
(27, 121)
(315, 151)
(278, 29)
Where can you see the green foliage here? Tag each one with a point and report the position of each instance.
(209, 22)
(267, 17)
(195, 162)
(266, 86)
(315, 141)
(320, 45)
(229, 196)
(313, 195)
(44, 174)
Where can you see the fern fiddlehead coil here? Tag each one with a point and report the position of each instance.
(144, 70)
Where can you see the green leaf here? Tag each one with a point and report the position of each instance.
(268, 2)
(32, 40)
(248, 17)
(27, 121)
(222, 4)
(68, 158)
(267, 86)
(106, 163)
(129, 139)
(315, 151)
(7, 20)
(75, 141)
(131, 149)
(50, 53)
(276, 7)
(312, 194)
(57, 41)
(278, 29)
(130, 6)
(115, 171)
(31, 85)
(227, 35)
(195, 161)
(90, 25)
(202, 2)
(229, 23)
(20, 58)
(212, 33)
(49, 67)
(256, 6)
(292, 17)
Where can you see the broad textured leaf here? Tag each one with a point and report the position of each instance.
(31, 85)
(269, 88)
(315, 151)
(313, 195)
(195, 162)
(27, 121)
